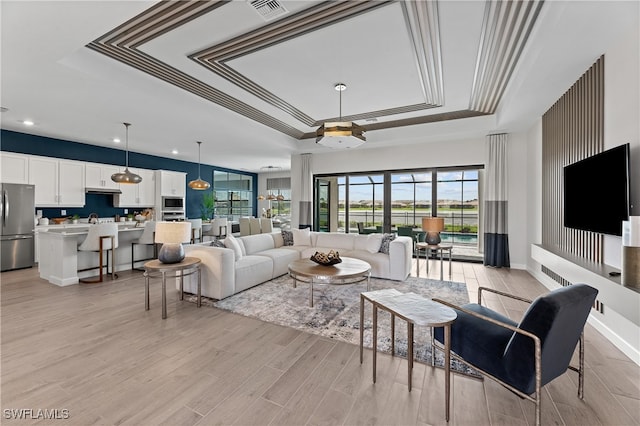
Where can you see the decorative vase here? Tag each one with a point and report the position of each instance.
(171, 253)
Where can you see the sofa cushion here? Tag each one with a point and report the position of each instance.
(254, 244)
(336, 241)
(281, 258)
(252, 270)
(301, 237)
(233, 244)
(370, 242)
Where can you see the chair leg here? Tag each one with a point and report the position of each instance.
(581, 367)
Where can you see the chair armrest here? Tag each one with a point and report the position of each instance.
(535, 338)
(500, 293)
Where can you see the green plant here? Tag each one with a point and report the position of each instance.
(75, 217)
(208, 205)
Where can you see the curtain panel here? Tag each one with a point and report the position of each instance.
(305, 211)
(496, 239)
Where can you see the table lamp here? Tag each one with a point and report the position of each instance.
(432, 226)
(172, 235)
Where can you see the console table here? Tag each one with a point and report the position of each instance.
(414, 309)
(188, 266)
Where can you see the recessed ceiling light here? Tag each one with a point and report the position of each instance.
(116, 140)
(28, 122)
(174, 151)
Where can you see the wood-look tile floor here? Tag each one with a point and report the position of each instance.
(94, 351)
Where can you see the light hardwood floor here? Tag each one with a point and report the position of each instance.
(93, 350)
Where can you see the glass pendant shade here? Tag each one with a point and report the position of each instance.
(199, 184)
(126, 177)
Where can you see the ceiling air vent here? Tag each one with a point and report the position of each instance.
(268, 9)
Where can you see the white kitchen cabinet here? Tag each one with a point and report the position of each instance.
(137, 195)
(98, 176)
(58, 183)
(15, 168)
(172, 183)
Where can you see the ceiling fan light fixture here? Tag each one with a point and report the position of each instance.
(126, 177)
(340, 134)
(199, 184)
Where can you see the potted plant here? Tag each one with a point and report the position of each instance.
(74, 218)
(208, 205)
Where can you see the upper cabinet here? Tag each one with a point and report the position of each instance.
(98, 176)
(14, 168)
(138, 195)
(57, 182)
(172, 184)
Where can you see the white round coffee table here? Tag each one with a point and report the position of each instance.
(349, 271)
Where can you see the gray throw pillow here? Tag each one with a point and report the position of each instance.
(386, 239)
(287, 237)
(217, 243)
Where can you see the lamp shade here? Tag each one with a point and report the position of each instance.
(433, 224)
(173, 232)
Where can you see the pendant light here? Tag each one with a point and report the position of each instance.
(126, 176)
(199, 184)
(340, 134)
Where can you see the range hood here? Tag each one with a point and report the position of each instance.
(103, 191)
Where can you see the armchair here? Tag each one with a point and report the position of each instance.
(524, 356)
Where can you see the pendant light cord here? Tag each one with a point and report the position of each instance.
(199, 143)
(126, 125)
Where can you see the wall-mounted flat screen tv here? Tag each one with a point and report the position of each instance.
(596, 192)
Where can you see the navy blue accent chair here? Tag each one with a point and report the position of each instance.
(524, 356)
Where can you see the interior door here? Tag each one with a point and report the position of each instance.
(323, 205)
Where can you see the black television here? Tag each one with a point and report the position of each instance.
(596, 192)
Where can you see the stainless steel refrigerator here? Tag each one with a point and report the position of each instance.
(17, 208)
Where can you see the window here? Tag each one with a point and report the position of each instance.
(234, 194)
(357, 203)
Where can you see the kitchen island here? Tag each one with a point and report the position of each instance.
(59, 259)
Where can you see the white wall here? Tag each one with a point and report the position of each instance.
(432, 154)
(622, 118)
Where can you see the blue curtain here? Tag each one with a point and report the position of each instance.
(496, 239)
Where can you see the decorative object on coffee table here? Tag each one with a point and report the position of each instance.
(327, 259)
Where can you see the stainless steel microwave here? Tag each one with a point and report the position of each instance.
(173, 204)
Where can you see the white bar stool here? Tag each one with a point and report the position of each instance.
(196, 230)
(146, 239)
(101, 237)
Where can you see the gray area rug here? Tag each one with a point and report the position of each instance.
(336, 311)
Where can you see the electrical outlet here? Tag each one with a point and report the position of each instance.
(38, 214)
(63, 212)
(126, 211)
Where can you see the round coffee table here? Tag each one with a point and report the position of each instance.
(350, 271)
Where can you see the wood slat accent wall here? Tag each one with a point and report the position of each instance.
(572, 129)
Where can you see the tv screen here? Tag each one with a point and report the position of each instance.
(596, 192)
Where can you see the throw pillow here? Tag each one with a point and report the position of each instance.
(384, 245)
(301, 237)
(287, 237)
(231, 243)
(374, 241)
(216, 242)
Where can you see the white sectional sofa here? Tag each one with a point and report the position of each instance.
(259, 258)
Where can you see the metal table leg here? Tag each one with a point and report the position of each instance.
(146, 291)
(164, 295)
(441, 266)
(361, 326)
(409, 352)
(374, 344)
(199, 286)
(447, 368)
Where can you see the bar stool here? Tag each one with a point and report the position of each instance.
(266, 225)
(217, 226)
(196, 230)
(100, 238)
(146, 239)
(254, 225)
(245, 226)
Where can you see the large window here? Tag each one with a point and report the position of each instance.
(357, 203)
(234, 195)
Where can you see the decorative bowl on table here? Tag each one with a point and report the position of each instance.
(59, 220)
(326, 259)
